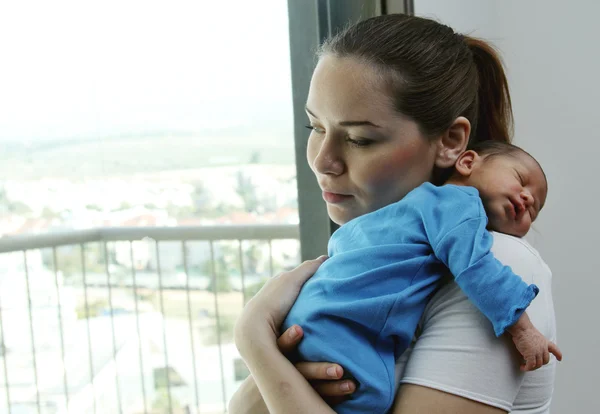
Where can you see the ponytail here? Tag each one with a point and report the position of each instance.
(494, 119)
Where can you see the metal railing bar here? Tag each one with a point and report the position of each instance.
(33, 348)
(189, 310)
(87, 319)
(271, 258)
(241, 256)
(112, 328)
(137, 325)
(218, 323)
(164, 325)
(60, 325)
(179, 233)
(3, 350)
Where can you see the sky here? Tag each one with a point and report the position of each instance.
(86, 69)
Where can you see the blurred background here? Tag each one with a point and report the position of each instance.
(152, 177)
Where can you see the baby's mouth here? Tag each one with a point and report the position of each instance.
(516, 208)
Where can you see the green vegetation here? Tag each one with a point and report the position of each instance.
(143, 153)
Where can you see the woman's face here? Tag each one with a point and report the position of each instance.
(364, 154)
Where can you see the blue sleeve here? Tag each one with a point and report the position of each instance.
(498, 293)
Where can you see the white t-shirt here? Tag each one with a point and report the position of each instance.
(457, 351)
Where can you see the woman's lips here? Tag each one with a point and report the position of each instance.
(334, 198)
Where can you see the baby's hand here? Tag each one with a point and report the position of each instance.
(532, 345)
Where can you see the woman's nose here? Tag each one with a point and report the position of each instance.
(328, 159)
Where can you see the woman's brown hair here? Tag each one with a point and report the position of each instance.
(435, 74)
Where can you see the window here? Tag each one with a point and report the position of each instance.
(167, 116)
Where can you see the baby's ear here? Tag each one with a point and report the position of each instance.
(465, 163)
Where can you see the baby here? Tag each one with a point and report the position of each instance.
(363, 305)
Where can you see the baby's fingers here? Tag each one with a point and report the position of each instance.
(555, 351)
(546, 357)
(539, 361)
(528, 364)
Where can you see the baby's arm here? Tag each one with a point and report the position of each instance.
(500, 295)
(534, 347)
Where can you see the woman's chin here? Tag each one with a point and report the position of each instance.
(340, 215)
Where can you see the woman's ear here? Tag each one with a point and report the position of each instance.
(453, 142)
(465, 163)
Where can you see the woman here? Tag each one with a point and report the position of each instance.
(393, 101)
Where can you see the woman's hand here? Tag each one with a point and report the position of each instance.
(283, 388)
(323, 376)
(266, 311)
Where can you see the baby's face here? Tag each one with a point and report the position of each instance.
(513, 189)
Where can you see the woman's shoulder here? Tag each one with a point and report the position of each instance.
(522, 257)
(525, 261)
(457, 351)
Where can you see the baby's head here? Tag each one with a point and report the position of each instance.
(511, 184)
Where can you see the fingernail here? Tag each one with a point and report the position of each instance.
(294, 333)
(323, 257)
(345, 386)
(332, 372)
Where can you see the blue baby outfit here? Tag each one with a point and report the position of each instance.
(363, 305)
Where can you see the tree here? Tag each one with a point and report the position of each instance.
(9, 206)
(255, 157)
(221, 276)
(4, 201)
(246, 189)
(124, 206)
(48, 213)
(200, 198)
(160, 405)
(226, 264)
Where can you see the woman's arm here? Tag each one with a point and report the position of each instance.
(282, 386)
(324, 377)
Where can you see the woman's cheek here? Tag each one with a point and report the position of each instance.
(400, 171)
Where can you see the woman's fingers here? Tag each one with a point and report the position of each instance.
(320, 370)
(308, 268)
(333, 401)
(325, 379)
(288, 341)
(332, 389)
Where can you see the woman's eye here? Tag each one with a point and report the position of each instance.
(360, 142)
(315, 129)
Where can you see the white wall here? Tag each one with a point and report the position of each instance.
(553, 58)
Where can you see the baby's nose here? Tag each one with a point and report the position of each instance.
(527, 198)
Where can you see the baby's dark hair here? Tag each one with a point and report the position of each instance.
(490, 149)
(495, 148)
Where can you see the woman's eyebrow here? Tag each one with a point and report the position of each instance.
(310, 112)
(347, 123)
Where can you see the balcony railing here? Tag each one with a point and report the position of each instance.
(130, 320)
